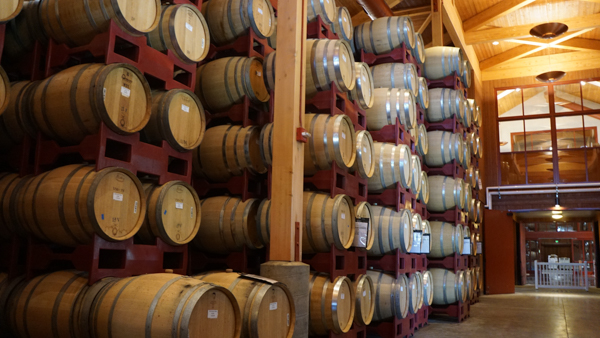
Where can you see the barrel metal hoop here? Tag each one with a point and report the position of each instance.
(60, 24)
(380, 232)
(388, 106)
(444, 193)
(73, 100)
(224, 150)
(177, 314)
(443, 148)
(90, 17)
(230, 21)
(323, 232)
(114, 304)
(392, 75)
(77, 194)
(257, 293)
(392, 165)
(311, 143)
(313, 69)
(61, 206)
(259, 214)
(442, 239)
(221, 219)
(326, 149)
(226, 77)
(391, 232)
(389, 33)
(150, 314)
(34, 211)
(49, 128)
(333, 304)
(25, 326)
(187, 313)
(377, 294)
(232, 221)
(57, 301)
(371, 39)
(444, 286)
(325, 64)
(252, 19)
(307, 221)
(249, 163)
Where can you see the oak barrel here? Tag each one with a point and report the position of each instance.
(466, 157)
(383, 35)
(444, 103)
(423, 96)
(342, 24)
(479, 214)
(8, 288)
(272, 40)
(443, 148)
(391, 295)
(182, 30)
(391, 230)
(467, 74)
(422, 146)
(396, 75)
(164, 305)
(327, 221)
(426, 228)
(228, 225)
(427, 288)
(266, 306)
(332, 304)
(392, 165)
(76, 22)
(415, 292)
(472, 176)
(263, 222)
(266, 143)
(364, 290)
(424, 193)
(467, 234)
(365, 149)
(467, 198)
(9, 9)
(178, 118)
(445, 193)
(223, 83)
(448, 287)
(5, 92)
(446, 239)
(269, 70)
(392, 103)
(333, 139)
(71, 104)
(17, 122)
(70, 204)
(226, 151)
(469, 284)
(173, 213)
(326, 9)
(419, 50)
(465, 116)
(415, 167)
(442, 61)
(10, 185)
(363, 90)
(22, 32)
(329, 61)
(230, 19)
(364, 210)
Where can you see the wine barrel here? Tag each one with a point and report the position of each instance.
(467, 197)
(323, 8)
(444, 103)
(415, 292)
(9, 9)
(396, 75)
(342, 24)
(333, 140)
(445, 193)
(72, 104)
(477, 115)
(468, 284)
(63, 20)
(466, 157)
(23, 31)
(419, 50)
(267, 306)
(328, 221)
(479, 277)
(472, 213)
(363, 90)
(8, 289)
(70, 204)
(178, 118)
(266, 144)
(415, 182)
(392, 165)
(442, 61)
(182, 30)
(448, 287)
(423, 96)
(164, 305)
(230, 19)
(443, 147)
(223, 83)
(391, 230)
(464, 116)
(228, 225)
(50, 305)
(364, 290)
(269, 70)
(427, 288)
(226, 151)
(364, 210)
(470, 106)
(17, 121)
(478, 180)
(332, 304)
(424, 193)
(467, 74)
(173, 213)
(365, 149)
(10, 185)
(479, 217)
(446, 239)
(383, 35)
(391, 295)
(426, 228)
(470, 176)
(392, 103)
(263, 222)
(417, 222)
(272, 40)
(422, 140)
(329, 61)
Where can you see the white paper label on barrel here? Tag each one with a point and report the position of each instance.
(417, 238)
(401, 288)
(117, 197)
(480, 185)
(288, 319)
(343, 215)
(365, 293)
(178, 205)
(344, 18)
(192, 212)
(185, 108)
(258, 73)
(343, 296)
(466, 246)
(125, 91)
(479, 248)
(213, 314)
(344, 57)
(343, 135)
(135, 207)
(189, 27)
(273, 306)
(260, 11)
(361, 229)
(365, 149)
(425, 243)
(104, 93)
(202, 43)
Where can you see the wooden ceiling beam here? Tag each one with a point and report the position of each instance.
(517, 32)
(532, 66)
(581, 44)
(415, 11)
(425, 24)
(510, 55)
(362, 16)
(492, 13)
(447, 40)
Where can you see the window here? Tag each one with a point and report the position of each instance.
(548, 133)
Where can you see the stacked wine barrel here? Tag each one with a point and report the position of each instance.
(455, 207)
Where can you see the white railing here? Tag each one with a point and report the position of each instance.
(561, 275)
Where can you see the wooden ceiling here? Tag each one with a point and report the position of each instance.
(508, 22)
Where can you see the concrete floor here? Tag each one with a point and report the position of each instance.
(527, 313)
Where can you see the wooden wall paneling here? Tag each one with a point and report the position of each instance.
(499, 242)
(492, 13)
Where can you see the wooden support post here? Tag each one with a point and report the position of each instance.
(437, 25)
(288, 152)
